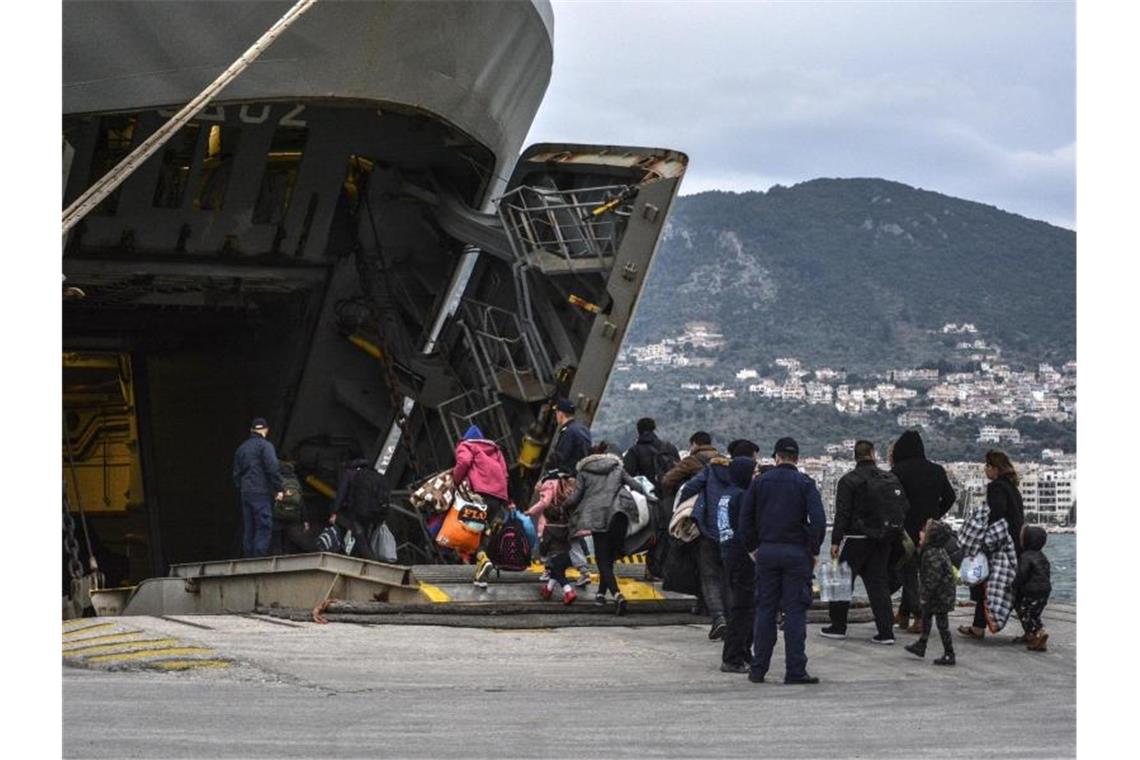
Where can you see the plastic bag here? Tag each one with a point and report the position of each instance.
(383, 543)
(528, 527)
(975, 569)
(835, 582)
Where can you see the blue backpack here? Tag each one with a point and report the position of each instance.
(723, 524)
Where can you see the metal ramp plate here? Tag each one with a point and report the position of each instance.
(243, 585)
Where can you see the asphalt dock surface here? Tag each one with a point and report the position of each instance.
(294, 690)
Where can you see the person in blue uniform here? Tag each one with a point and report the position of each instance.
(782, 525)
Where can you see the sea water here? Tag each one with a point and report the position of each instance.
(1060, 549)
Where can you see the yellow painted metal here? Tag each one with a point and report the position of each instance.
(530, 452)
(102, 429)
(121, 647)
(321, 487)
(637, 591)
(149, 653)
(434, 593)
(366, 346)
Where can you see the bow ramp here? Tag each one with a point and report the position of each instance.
(332, 588)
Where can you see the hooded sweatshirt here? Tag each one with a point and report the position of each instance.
(480, 462)
(936, 571)
(717, 482)
(596, 494)
(1033, 579)
(928, 490)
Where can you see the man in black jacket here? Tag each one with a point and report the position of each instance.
(574, 440)
(930, 496)
(650, 457)
(866, 556)
(781, 525)
(258, 477)
(361, 505)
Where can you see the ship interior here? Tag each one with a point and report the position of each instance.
(317, 265)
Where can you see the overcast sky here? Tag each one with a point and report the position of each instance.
(976, 100)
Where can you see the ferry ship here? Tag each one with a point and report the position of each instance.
(350, 241)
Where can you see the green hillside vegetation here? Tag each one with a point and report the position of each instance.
(858, 272)
(854, 274)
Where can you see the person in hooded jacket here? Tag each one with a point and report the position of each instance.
(651, 457)
(714, 482)
(930, 495)
(361, 504)
(598, 505)
(1004, 501)
(939, 593)
(1032, 586)
(480, 463)
(739, 569)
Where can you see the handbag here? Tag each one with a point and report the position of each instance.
(457, 534)
(975, 569)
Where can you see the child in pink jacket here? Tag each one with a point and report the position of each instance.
(551, 522)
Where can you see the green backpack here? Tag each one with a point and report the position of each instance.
(289, 508)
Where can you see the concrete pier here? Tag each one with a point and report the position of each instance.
(298, 689)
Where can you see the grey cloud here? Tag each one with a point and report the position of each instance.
(978, 104)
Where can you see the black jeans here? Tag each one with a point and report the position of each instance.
(607, 548)
(867, 558)
(711, 568)
(741, 574)
(558, 565)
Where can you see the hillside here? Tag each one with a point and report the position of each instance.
(858, 274)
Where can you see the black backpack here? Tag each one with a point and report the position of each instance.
(509, 548)
(884, 503)
(665, 458)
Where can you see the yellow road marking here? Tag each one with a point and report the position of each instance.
(85, 629)
(126, 636)
(638, 590)
(188, 664)
(146, 653)
(434, 593)
(120, 648)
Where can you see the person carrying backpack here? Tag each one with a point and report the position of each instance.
(598, 505)
(739, 570)
(870, 509)
(554, 533)
(652, 458)
(361, 505)
(289, 533)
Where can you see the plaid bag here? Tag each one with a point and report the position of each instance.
(436, 493)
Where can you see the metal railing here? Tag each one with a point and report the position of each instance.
(509, 351)
(575, 226)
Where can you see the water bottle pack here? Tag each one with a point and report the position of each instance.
(834, 581)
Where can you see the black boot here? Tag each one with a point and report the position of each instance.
(947, 657)
(918, 648)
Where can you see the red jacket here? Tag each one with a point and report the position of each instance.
(481, 464)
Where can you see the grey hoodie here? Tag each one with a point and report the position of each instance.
(597, 493)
